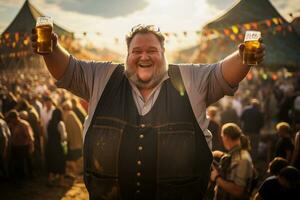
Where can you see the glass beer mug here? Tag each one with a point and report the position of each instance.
(251, 44)
(44, 26)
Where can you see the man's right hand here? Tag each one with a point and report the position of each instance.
(57, 61)
(33, 38)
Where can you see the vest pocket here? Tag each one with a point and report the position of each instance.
(176, 151)
(103, 150)
(102, 188)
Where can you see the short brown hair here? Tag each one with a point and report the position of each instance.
(276, 165)
(142, 28)
(232, 131)
(283, 126)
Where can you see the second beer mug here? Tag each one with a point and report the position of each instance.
(251, 44)
(44, 26)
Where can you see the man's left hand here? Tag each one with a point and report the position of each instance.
(214, 173)
(260, 52)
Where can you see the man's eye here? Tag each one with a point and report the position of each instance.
(136, 52)
(152, 51)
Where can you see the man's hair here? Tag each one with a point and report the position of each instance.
(67, 105)
(11, 115)
(232, 131)
(212, 111)
(283, 126)
(255, 102)
(291, 175)
(245, 142)
(143, 29)
(277, 164)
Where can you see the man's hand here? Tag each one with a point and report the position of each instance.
(259, 54)
(57, 61)
(214, 173)
(33, 38)
(233, 69)
(218, 154)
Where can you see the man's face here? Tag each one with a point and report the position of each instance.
(145, 64)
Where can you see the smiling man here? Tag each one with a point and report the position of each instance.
(146, 133)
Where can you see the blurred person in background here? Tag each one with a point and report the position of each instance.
(34, 120)
(229, 114)
(271, 188)
(22, 145)
(46, 113)
(284, 147)
(55, 152)
(296, 153)
(214, 128)
(4, 148)
(78, 110)
(234, 173)
(252, 121)
(74, 139)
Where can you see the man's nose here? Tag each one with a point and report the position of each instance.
(144, 55)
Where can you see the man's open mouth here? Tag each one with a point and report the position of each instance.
(145, 65)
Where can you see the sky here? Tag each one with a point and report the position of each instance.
(114, 18)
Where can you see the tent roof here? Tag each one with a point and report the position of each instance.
(296, 24)
(283, 48)
(15, 45)
(25, 20)
(245, 11)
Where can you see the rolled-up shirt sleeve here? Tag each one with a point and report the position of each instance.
(204, 84)
(207, 81)
(217, 85)
(79, 77)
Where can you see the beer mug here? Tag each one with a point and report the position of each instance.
(251, 44)
(44, 26)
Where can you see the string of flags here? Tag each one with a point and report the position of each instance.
(18, 44)
(236, 32)
(20, 41)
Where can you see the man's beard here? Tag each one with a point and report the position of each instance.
(154, 81)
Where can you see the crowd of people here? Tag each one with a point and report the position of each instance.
(41, 128)
(262, 119)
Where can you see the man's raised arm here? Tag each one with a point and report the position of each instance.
(233, 69)
(57, 61)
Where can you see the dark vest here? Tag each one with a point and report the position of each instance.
(162, 155)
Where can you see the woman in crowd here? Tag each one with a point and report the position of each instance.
(55, 152)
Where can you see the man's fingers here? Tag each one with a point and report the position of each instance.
(260, 55)
(33, 38)
(241, 48)
(33, 31)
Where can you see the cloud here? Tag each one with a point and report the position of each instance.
(220, 4)
(11, 2)
(102, 8)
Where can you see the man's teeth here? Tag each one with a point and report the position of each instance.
(145, 64)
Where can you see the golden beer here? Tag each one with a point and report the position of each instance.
(251, 44)
(44, 30)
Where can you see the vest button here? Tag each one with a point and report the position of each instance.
(140, 148)
(138, 184)
(141, 136)
(139, 162)
(138, 174)
(142, 125)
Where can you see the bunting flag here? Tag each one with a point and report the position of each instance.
(19, 40)
(236, 32)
